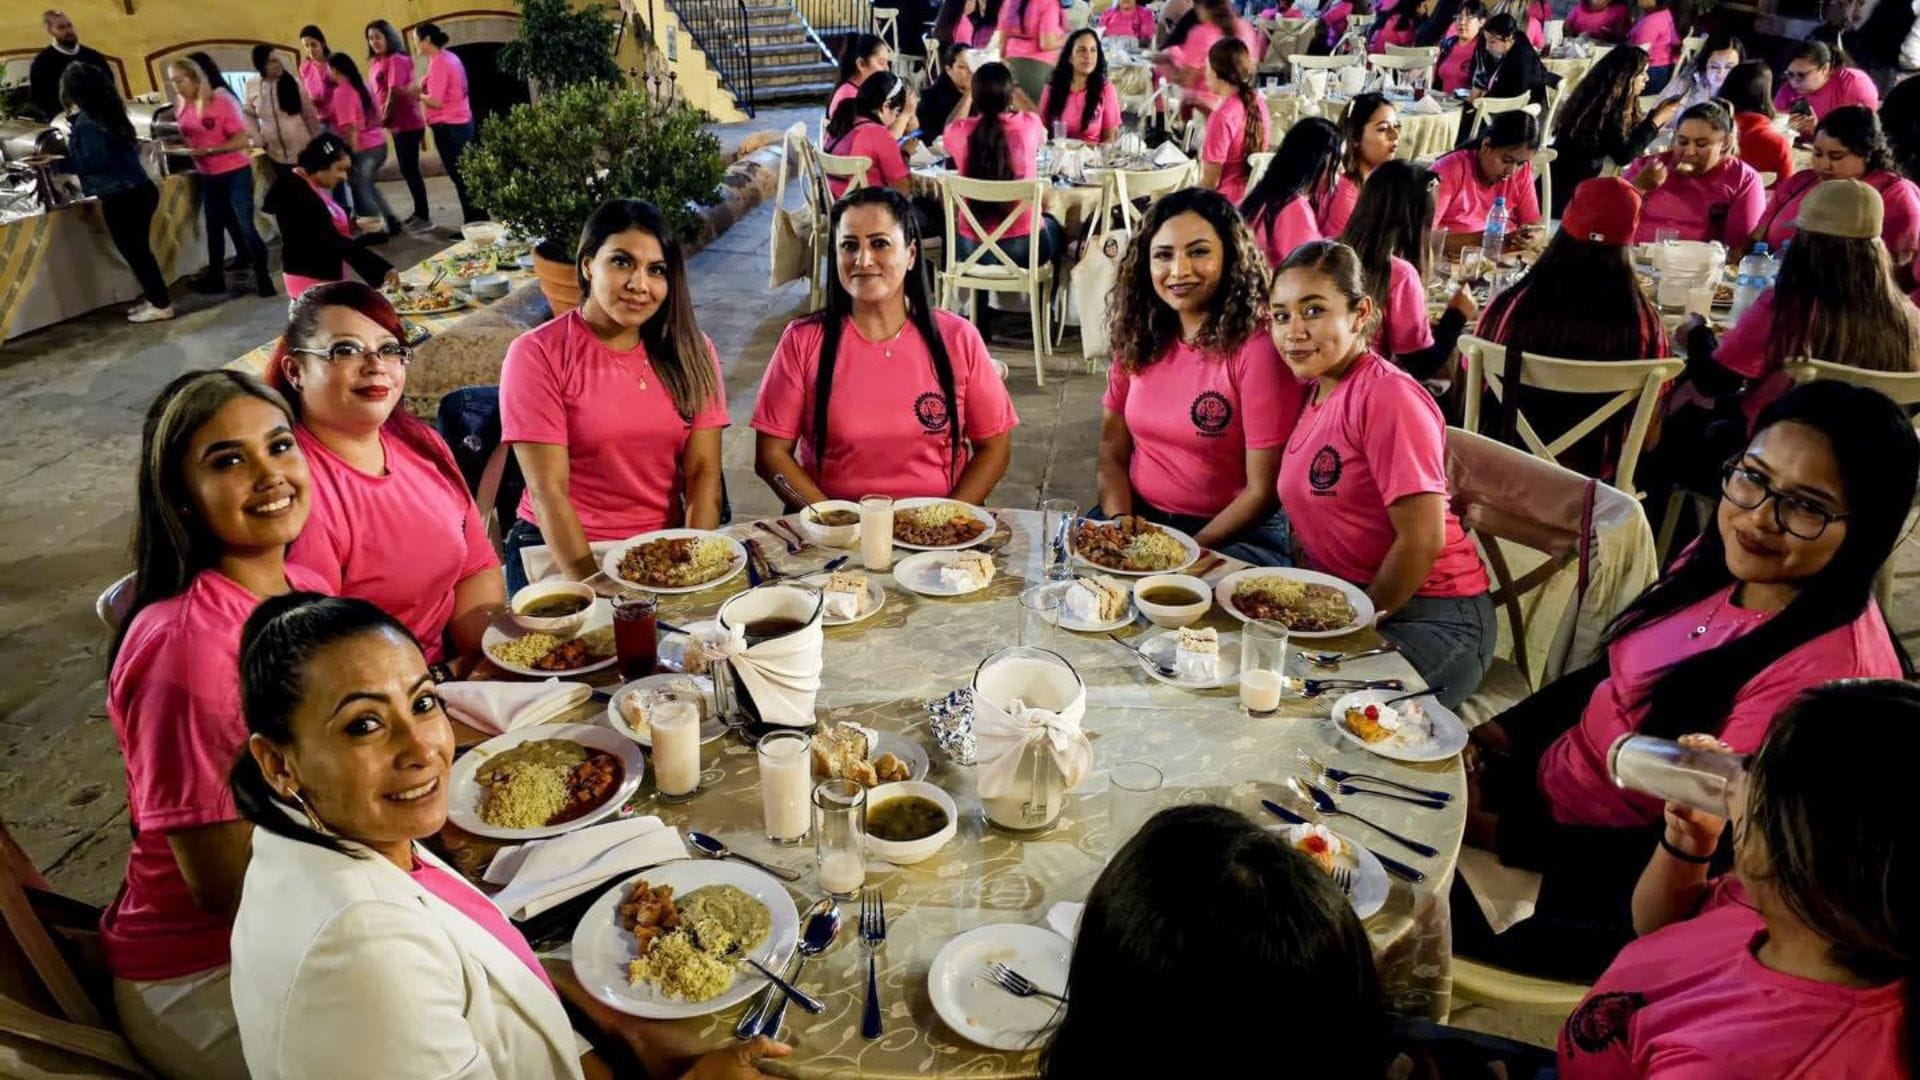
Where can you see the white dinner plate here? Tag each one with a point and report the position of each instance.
(463, 799)
(697, 689)
(1362, 606)
(1370, 884)
(975, 1007)
(1061, 620)
(876, 598)
(503, 630)
(921, 573)
(1160, 647)
(1193, 553)
(978, 515)
(1449, 735)
(908, 751)
(602, 949)
(611, 564)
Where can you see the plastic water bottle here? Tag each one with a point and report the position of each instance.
(1493, 239)
(1773, 260)
(1754, 277)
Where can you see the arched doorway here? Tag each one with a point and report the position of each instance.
(476, 37)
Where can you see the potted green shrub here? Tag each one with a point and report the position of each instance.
(560, 45)
(543, 167)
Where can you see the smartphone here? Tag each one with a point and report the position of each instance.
(1803, 107)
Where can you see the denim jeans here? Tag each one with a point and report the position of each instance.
(406, 148)
(367, 199)
(451, 140)
(1449, 640)
(227, 201)
(524, 534)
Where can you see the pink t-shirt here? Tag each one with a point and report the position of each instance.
(313, 76)
(1025, 22)
(468, 901)
(1691, 1002)
(403, 540)
(1455, 70)
(1335, 19)
(1377, 439)
(1573, 772)
(174, 699)
(1025, 134)
(841, 93)
(1226, 143)
(1134, 22)
(1191, 55)
(1390, 32)
(1722, 205)
(1106, 115)
(350, 112)
(1845, 86)
(1462, 201)
(1655, 33)
(447, 84)
(1900, 230)
(1340, 203)
(561, 385)
(1607, 24)
(1289, 227)
(390, 81)
(1405, 328)
(875, 143)
(219, 121)
(1193, 417)
(888, 432)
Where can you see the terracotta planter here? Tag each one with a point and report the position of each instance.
(559, 281)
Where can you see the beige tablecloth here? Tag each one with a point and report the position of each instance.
(879, 673)
(1574, 68)
(1423, 136)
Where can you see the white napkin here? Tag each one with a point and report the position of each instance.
(1063, 918)
(1426, 106)
(547, 873)
(923, 157)
(1506, 895)
(1004, 734)
(782, 675)
(498, 707)
(539, 565)
(1313, 83)
(1352, 80)
(1168, 156)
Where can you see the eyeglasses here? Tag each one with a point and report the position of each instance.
(1800, 74)
(343, 351)
(1748, 489)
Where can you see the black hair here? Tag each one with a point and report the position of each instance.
(1603, 99)
(1353, 127)
(90, 89)
(1390, 220)
(1474, 8)
(350, 71)
(286, 89)
(1305, 166)
(1510, 129)
(1879, 462)
(323, 150)
(396, 44)
(209, 71)
(1202, 899)
(1858, 129)
(833, 319)
(945, 23)
(675, 346)
(314, 32)
(1718, 41)
(431, 32)
(988, 156)
(1748, 88)
(1143, 328)
(1060, 83)
(278, 640)
(866, 103)
(1900, 119)
(1821, 53)
(1580, 301)
(857, 48)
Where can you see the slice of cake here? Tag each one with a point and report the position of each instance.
(1196, 654)
(1093, 601)
(846, 594)
(1316, 843)
(1374, 723)
(965, 571)
(633, 709)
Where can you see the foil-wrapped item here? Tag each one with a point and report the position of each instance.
(951, 719)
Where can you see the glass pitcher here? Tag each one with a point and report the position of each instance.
(1043, 680)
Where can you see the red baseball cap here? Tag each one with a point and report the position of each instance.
(1605, 210)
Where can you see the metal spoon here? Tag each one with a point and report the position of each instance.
(750, 1020)
(1165, 669)
(820, 932)
(711, 847)
(1325, 804)
(1334, 659)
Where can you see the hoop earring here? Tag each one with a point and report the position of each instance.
(313, 819)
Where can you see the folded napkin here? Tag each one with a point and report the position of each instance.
(497, 707)
(1063, 918)
(539, 565)
(1505, 895)
(923, 157)
(1168, 156)
(782, 675)
(1426, 106)
(1352, 80)
(1003, 736)
(547, 873)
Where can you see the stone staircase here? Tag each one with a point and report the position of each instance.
(789, 66)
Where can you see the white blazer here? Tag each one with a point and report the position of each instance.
(344, 967)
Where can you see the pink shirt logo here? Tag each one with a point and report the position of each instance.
(1602, 1020)
(1212, 413)
(1324, 471)
(931, 410)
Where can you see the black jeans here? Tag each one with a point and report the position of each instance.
(129, 217)
(406, 148)
(227, 201)
(451, 140)
(523, 534)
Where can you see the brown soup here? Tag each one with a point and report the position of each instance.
(1169, 596)
(766, 629)
(554, 607)
(906, 818)
(836, 519)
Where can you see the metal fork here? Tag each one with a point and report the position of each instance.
(1017, 984)
(1316, 687)
(1342, 776)
(787, 541)
(1343, 879)
(1349, 789)
(1335, 659)
(873, 932)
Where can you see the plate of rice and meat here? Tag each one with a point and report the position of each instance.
(1309, 604)
(543, 780)
(675, 560)
(1133, 546)
(670, 942)
(542, 655)
(929, 524)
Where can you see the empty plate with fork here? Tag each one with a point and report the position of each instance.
(974, 1004)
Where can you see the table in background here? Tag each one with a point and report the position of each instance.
(1572, 69)
(881, 671)
(1423, 136)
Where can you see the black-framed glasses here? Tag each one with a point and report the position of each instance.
(1747, 488)
(341, 352)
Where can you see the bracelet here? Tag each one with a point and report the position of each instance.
(1696, 860)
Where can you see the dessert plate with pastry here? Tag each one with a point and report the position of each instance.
(1094, 605)
(851, 596)
(934, 524)
(1308, 603)
(1202, 658)
(867, 757)
(945, 573)
(632, 704)
(541, 655)
(1332, 852)
(1417, 729)
(542, 781)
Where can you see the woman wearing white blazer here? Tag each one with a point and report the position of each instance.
(355, 952)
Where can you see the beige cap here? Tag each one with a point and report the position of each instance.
(1848, 209)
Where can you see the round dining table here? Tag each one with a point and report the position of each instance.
(1423, 135)
(881, 673)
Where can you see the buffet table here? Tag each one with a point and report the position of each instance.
(880, 672)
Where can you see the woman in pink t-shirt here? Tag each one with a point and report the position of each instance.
(356, 118)
(997, 142)
(1699, 188)
(1197, 404)
(902, 397)
(1128, 18)
(353, 944)
(1283, 209)
(1388, 231)
(614, 409)
(954, 24)
(1816, 82)
(449, 110)
(1371, 132)
(1653, 31)
(1454, 71)
(392, 521)
(1079, 102)
(223, 490)
(1498, 165)
(397, 100)
(864, 126)
(1849, 145)
(313, 70)
(1775, 598)
(1800, 963)
(1363, 481)
(217, 138)
(1032, 29)
(1183, 61)
(1239, 127)
(1599, 20)
(863, 55)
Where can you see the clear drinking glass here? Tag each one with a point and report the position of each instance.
(876, 533)
(1439, 267)
(1133, 796)
(1056, 538)
(1700, 297)
(786, 782)
(1039, 614)
(840, 836)
(1263, 667)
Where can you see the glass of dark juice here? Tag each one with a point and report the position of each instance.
(636, 633)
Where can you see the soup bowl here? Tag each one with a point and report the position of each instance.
(557, 625)
(908, 852)
(1173, 616)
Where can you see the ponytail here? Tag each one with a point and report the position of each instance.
(1233, 64)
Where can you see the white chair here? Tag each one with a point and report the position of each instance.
(1430, 52)
(1303, 62)
(1543, 178)
(1257, 167)
(1689, 49)
(114, 603)
(1489, 107)
(1403, 68)
(989, 268)
(1123, 186)
(1631, 382)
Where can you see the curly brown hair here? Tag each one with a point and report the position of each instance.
(1142, 327)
